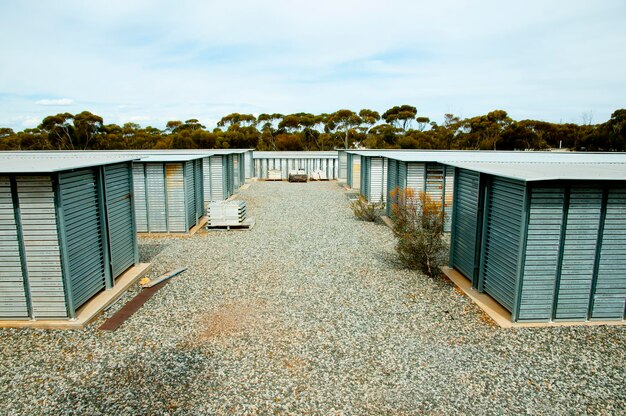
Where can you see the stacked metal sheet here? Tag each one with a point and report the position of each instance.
(226, 213)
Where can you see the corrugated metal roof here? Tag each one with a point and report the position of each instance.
(161, 158)
(48, 163)
(332, 154)
(542, 171)
(444, 156)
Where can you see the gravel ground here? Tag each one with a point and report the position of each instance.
(307, 313)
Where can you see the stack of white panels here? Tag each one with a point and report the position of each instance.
(224, 213)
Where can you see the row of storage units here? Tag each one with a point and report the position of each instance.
(542, 233)
(326, 162)
(67, 232)
(545, 240)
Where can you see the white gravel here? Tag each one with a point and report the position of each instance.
(307, 313)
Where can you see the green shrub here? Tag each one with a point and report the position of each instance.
(418, 227)
(365, 210)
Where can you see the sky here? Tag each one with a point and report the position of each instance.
(152, 61)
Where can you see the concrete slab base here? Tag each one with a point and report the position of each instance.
(501, 316)
(201, 223)
(90, 310)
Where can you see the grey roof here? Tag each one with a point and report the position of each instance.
(541, 171)
(49, 163)
(162, 158)
(332, 154)
(445, 156)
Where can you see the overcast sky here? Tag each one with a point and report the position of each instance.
(154, 61)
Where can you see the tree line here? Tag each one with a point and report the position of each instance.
(400, 127)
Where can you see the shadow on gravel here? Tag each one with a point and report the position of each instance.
(149, 250)
(154, 382)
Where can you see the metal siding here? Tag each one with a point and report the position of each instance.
(434, 182)
(198, 179)
(501, 250)
(190, 195)
(349, 169)
(156, 196)
(466, 222)
(342, 162)
(392, 184)
(415, 178)
(82, 234)
(541, 264)
(376, 180)
(579, 253)
(176, 203)
(402, 169)
(120, 217)
(139, 193)
(217, 178)
(356, 172)
(41, 246)
(236, 173)
(13, 303)
(448, 196)
(609, 297)
(248, 163)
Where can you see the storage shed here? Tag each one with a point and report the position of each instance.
(353, 170)
(67, 231)
(326, 161)
(547, 241)
(168, 192)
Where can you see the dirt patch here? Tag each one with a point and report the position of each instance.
(229, 319)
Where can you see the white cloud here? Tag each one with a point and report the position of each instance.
(55, 102)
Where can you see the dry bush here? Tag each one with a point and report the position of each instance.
(418, 226)
(365, 210)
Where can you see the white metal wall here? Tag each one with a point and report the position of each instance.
(330, 166)
(176, 204)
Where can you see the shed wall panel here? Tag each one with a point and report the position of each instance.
(41, 246)
(82, 234)
(579, 253)
(542, 253)
(12, 290)
(139, 193)
(609, 297)
(465, 224)
(123, 245)
(156, 197)
(176, 204)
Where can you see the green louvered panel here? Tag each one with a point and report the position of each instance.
(139, 193)
(342, 163)
(349, 169)
(190, 194)
(465, 223)
(610, 291)
(392, 184)
(228, 176)
(12, 292)
(542, 253)
(120, 217)
(176, 203)
(82, 237)
(579, 253)
(402, 175)
(448, 196)
(365, 177)
(501, 251)
(198, 180)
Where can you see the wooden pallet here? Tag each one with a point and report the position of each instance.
(247, 224)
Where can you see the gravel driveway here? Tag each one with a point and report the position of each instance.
(308, 313)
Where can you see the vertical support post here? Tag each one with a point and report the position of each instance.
(559, 265)
(133, 215)
(521, 252)
(103, 213)
(478, 277)
(596, 264)
(65, 260)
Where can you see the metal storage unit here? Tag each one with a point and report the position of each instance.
(169, 192)
(67, 231)
(374, 179)
(326, 161)
(342, 162)
(545, 240)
